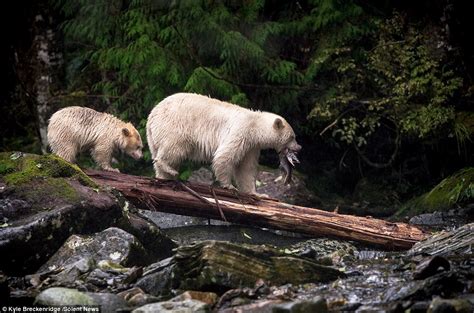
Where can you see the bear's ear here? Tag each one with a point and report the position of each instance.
(126, 132)
(278, 124)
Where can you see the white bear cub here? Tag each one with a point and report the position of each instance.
(187, 126)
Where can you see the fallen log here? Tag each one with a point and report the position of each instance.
(193, 199)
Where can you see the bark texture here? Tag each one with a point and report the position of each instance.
(222, 204)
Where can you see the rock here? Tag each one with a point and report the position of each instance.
(317, 304)
(442, 284)
(451, 192)
(186, 306)
(451, 219)
(439, 305)
(218, 265)
(323, 250)
(63, 296)
(157, 244)
(112, 244)
(456, 242)
(430, 266)
(58, 296)
(109, 302)
(95, 262)
(207, 297)
(156, 278)
(136, 297)
(44, 200)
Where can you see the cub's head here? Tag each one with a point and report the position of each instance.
(131, 142)
(284, 137)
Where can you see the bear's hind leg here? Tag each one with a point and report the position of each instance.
(68, 153)
(163, 170)
(165, 165)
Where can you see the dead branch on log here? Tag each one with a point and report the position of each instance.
(199, 200)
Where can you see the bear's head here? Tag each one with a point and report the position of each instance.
(130, 141)
(284, 136)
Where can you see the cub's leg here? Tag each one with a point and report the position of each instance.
(68, 153)
(102, 155)
(246, 172)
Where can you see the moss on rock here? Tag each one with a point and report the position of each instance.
(42, 178)
(456, 189)
(18, 168)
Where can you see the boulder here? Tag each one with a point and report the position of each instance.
(219, 266)
(57, 296)
(44, 200)
(185, 306)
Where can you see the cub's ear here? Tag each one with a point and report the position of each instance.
(278, 124)
(125, 132)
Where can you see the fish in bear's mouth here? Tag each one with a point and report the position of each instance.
(288, 159)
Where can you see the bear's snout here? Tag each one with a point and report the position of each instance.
(137, 154)
(294, 147)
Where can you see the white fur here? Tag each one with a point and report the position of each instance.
(194, 127)
(75, 129)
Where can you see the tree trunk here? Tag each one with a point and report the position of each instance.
(39, 62)
(201, 200)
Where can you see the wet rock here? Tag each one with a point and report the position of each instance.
(218, 265)
(439, 305)
(317, 304)
(45, 200)
(444, 220)
(156, 278)
(157, 244)
(452, 191)
(447, 243)
(136, 297)
(94, 262)
(186, 306)
(112, 244)
(207, 297)
(323, 250)
(63, 296)
(443, 284)
(109, 302)
(58, 296)
(419, 307)
(430, 267)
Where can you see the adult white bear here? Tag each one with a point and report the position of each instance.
(188, 126)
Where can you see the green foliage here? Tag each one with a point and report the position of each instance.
(402, 83)
(373, 82)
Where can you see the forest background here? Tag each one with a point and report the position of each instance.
(379, 93)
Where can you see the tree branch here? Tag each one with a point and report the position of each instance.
(381, 165)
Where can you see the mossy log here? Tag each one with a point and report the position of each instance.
(201, 200)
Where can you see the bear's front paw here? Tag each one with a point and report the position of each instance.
(111, 169)
(262, 195)
(225, 186)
